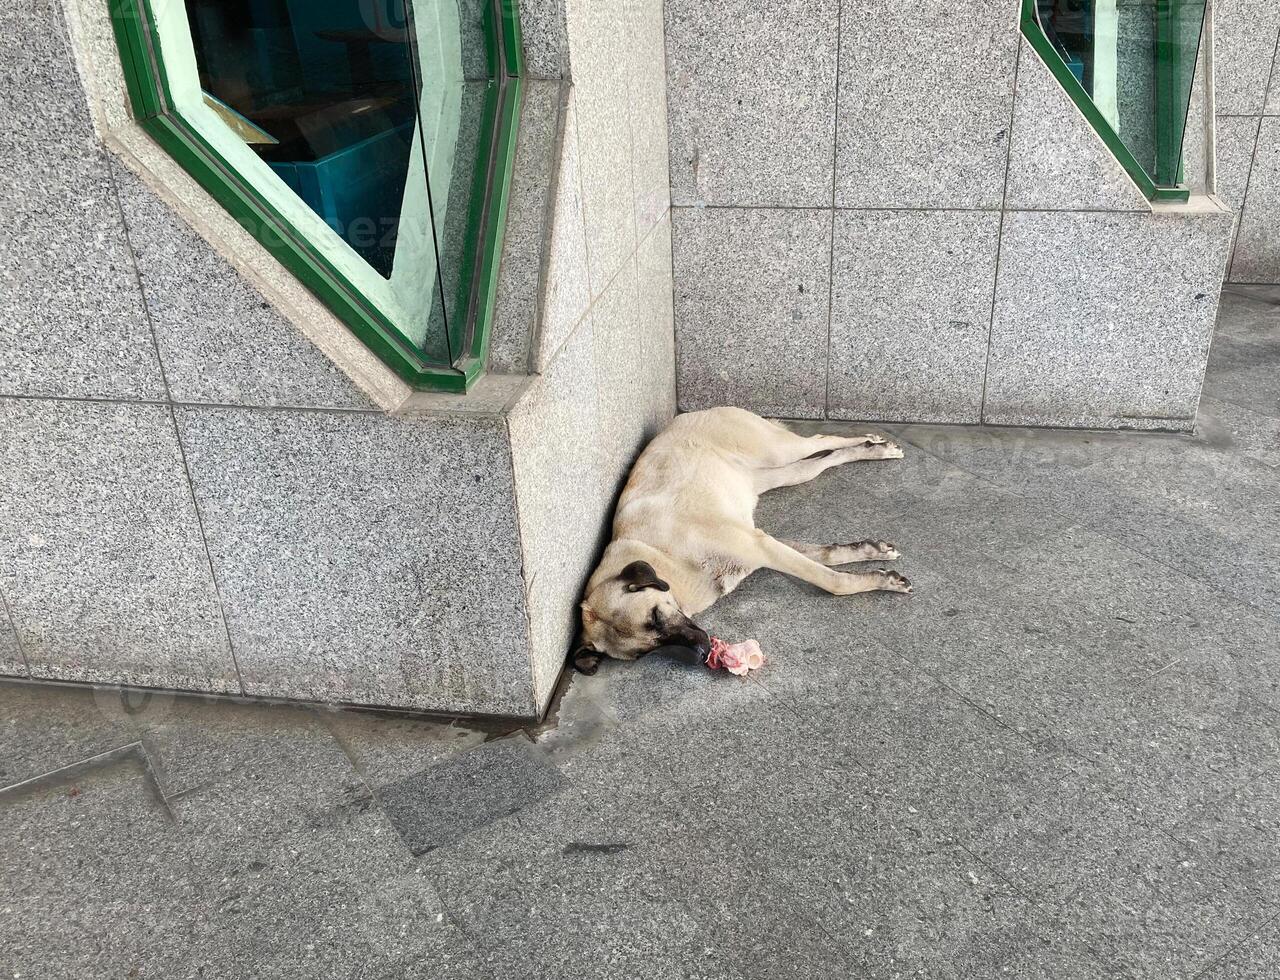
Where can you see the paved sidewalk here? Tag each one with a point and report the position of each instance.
(1059, 759)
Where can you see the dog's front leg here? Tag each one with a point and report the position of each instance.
(783, 558)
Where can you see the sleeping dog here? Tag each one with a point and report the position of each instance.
(684, 532)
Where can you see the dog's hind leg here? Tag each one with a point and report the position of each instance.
(766, 443)
(783, 558)
(846, 554)
(804, 470)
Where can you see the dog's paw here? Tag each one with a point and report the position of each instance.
(893, 582)
(864, 551)
(872, 439)
(586, 663)
(878, 450)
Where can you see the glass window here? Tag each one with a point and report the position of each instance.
(1133, 63)
(367, 142)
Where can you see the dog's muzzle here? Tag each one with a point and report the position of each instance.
(690, 637)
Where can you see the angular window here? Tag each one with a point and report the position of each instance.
(366, 143)
(1129, 65)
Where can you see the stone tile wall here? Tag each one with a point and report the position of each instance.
(1247, 71)
(604, 350)
(853, 186)
(193, 496)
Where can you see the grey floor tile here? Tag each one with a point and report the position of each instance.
(386, 747)
(1246, 349)
(1186, 501)
(77, 857)
(466, 792)
(936, 911)
(197, 744)
(572, 893)
(49, 728)
(1161, 921)
(1256, 957)
(1180, 742)
(1247, 432)
(1237, 834)
(276, 875)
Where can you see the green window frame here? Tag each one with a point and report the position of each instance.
(153, 108)
(1169, 77)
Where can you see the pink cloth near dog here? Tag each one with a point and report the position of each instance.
(736, 658)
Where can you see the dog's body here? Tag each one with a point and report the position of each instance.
(684, 532)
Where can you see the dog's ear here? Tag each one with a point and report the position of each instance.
(585, 660)
(639, 575)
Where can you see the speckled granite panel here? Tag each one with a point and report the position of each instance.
(603, 86)
(546, 41)
(1236, 138)
(1245, 33)
(567, 291)
(517, 306)
(1057, 160)
(752, 93)
(751, 306)
(73, 322)
(365, 558)
(909, 324)
(657, 326)
(101, 558)
(1272, 107)
(11, 660)
(1257, 255)
(621, 388)
(650, 173)
(926, 95)
(1089, 331)
(562, 496)
(1136, 81)
(219, 340)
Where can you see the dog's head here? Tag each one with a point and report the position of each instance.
(631, 614)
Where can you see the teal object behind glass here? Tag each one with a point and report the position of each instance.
(373, 113)
(1136, 60)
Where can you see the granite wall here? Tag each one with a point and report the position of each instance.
(194, 495)
(1248, 133)
(893, 212)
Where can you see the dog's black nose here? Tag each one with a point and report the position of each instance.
(695, 639)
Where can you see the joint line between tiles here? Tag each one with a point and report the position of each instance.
(831, 240)
(1004, 210)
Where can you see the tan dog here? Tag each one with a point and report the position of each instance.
(684, 532)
